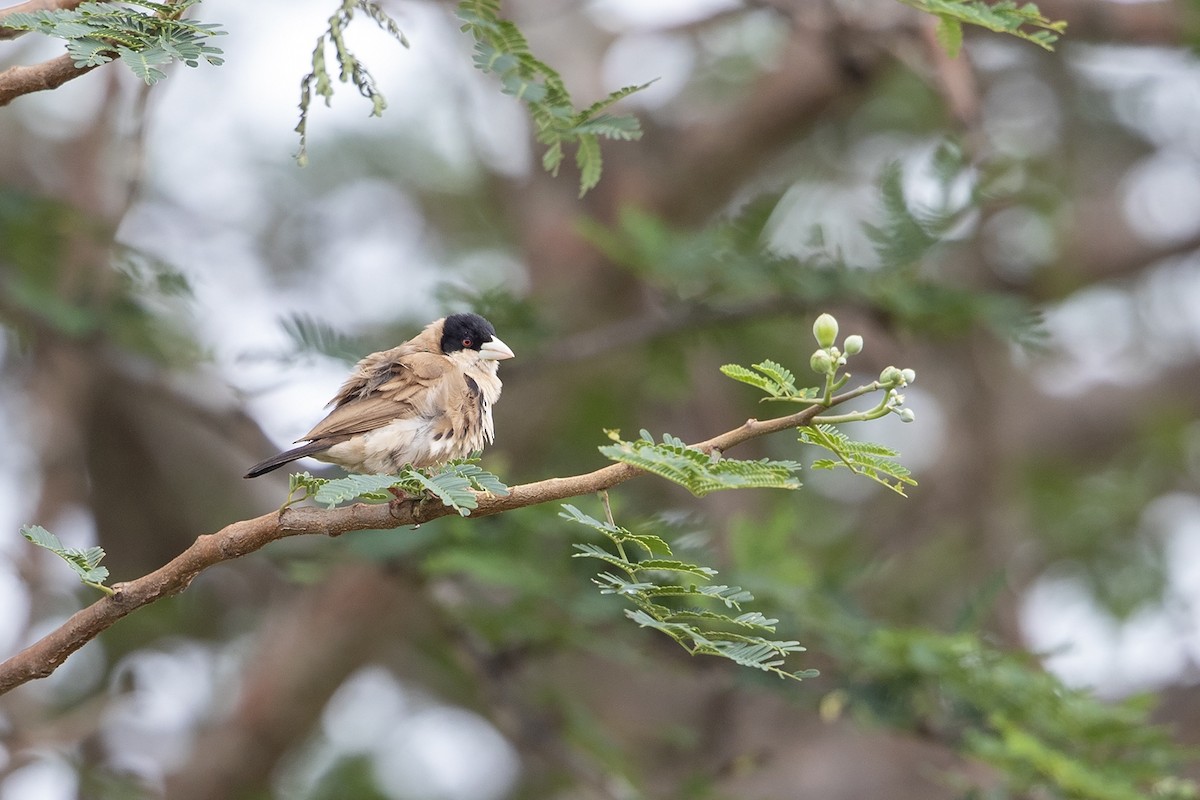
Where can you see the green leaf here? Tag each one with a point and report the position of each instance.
(144, 63)
(312, 335)
(731, 596)
(949, 34)
(85, 563)
(575, 515)
(774, 379)
(740, 373)
(902, 240)
(682, 625)
(615, 584)
(759, 655)
(653, 545)
(670, 565)
(502, 50)
(751, 619)
(452, 489)
(589, 161)
(870, 460)
(341, 490)
(553, 157)
(96, 33)
(595, 551)
(1025, 22)
(624, 127)
(600, 105)
(700, 473)
(350, 69)
(302, 486)
(480, 479)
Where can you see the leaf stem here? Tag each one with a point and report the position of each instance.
(107, 590)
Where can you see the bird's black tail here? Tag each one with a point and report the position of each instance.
(287, 456)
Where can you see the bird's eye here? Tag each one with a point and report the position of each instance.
(466, 342)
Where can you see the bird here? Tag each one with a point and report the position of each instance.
(420, 404)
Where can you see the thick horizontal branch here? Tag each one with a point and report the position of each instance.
(21, 80)
(233, 541)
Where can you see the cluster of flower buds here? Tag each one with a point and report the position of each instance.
(894, 380)
(827, 359)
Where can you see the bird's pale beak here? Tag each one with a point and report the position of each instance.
(495, 350)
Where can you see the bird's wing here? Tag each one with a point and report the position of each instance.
(411, 385)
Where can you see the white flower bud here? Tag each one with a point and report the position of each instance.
(826, 330)
(909, 375)
(853, 345)
(891, 376)
(821, 363)
(907, 415)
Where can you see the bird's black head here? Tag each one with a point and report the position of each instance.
(465, 332)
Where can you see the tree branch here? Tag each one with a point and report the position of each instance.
(241, 538)
(20, 80)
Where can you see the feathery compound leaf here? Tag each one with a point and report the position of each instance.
(902, 239)
(85, 563)
(312, 335)
(97, 33)
(480, 479)
(752, 619)
(455, 485)
(740, 373)
(575, 515)
(624, 127)
(351, 487)
(653, 545)
(89, 52)
(682, 624)
(760, 655)
(302, 486)
(1024, 21)
(351, 70)
(596, 551)
(589, 161)
(615, 584)
(668, 565)
(773, 378)
(862, 458)
(452, 489)
(780, 375)
(699, 473)
(748, 651)
(731, 596)
(501, 49)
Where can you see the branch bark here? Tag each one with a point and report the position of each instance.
(21, 80)
(42, 658)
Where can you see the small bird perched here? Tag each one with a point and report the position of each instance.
(422, 403)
